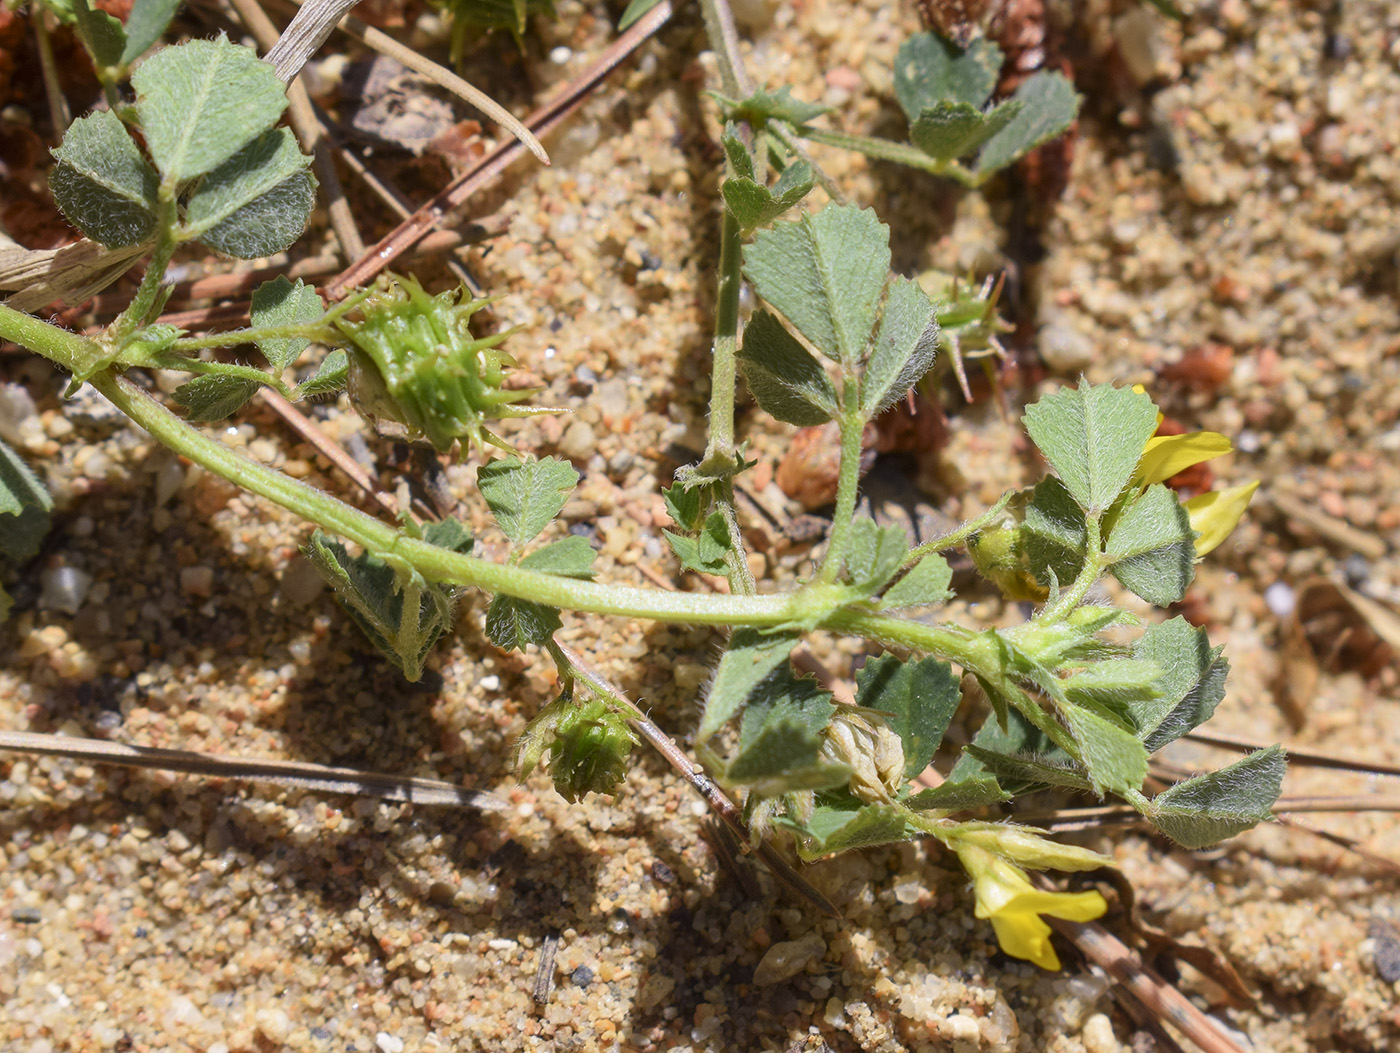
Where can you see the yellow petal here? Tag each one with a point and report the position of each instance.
(1025, 936)
(1216, 514)
(1165, 455)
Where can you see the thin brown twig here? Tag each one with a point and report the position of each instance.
(541, 121)
(298, 774)
(1296, 754)
(1350, 844)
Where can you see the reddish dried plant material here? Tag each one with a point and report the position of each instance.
(11, 40)
(1203, 368)
(911, 425)
(1197, 479)
(461, 146)
(810, 470)
(388, 14)
(27, 211)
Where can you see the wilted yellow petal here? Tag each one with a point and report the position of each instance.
(1216, 514)
(1165, 455)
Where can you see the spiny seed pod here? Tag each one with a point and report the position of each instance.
(588, 742)
(413, 360)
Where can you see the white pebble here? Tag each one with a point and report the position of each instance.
(64, 589)
(560, 55)
(1098, 1035)
(785, 960)
(1281, 599)
(388, 1043)
(490, 683)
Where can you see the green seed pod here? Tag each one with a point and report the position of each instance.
(1000, 557)
(588, 742)
(413, 360)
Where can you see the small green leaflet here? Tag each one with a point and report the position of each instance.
(919, 698)
(1114, 757)
(102, 34)
(145, 25)
(841, 824)
(1054, 533)
(202, 101)
(876, 553)
(215, 396)
(949, 130)
(329, 376)
(1192, 683)
(754, 205)
(704, 554)
(780, 738)
(25, 508)
(255, 203)
(513, 624)
(1153, 547)
(1093, 436)
(929, 70)
(977, 791)
(1115, 688)
(525, 496)
(279, 302)
(786, 380)
(683, 505)
(763, 106)
(1209, 808)
(749, 659)
(1048, 106)
(740, 160)
(825, 274)
(571, 557)
(1024, 772)
(904, 348)
(103, 184)
(925, 585)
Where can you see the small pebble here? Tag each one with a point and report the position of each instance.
(64, 589)
(782, 961)
(579, 441)
(560, 55)
(1386, 955)
(1281, 599)
(26, 915)
(582, 976)
(388, 1043)
(197, 580)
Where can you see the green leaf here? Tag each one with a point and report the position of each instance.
(929, 70)
(787, 381)
(1021, 772)
(104, 36)
(1113, 688)
(513, 624)
(706, 553)
(1153, 547)
(825, 274)
(754, 205)
(525, 496)
(1114, 758)
(978, 791)
(684, 505)
(279, 302)
(571, 557)
(1093, 436)
(201, 102)
(1192, 683)
(925, 585)
(329, 376)
(904, 348)
(846, 824)
(780, 738)
(1054, 533)
(1018, 738)
(920, 698)
(103, 184)
(875, 555)
(1209, 808)
(25, 508)
(145, 25)
(450, 533)
(215, 396)
(403, 616)
(255, 203)
(635, 10)
(737, 153)
(748, 660)
(764, 106)
(1048, 107)
(949, 130)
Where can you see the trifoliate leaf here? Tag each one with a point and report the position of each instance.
(279, 302)
(1054, 533)
(215, 396)
(25, 508)
(1209, 808)
(925, 585)
(571, 557)
(786, 380)
(145, 25)
(203, 101)
(842, 824)
(1192, 682)
(754, 205)
(749, 659)
(525, 496)
(876, 553)
(329, 376)
(255, 203)
(975, 792)
(103, 184)
(1048, 107)
(403, 616)
(920, 698)
(684, 505)
(1092, 436)
(513, 624)
(777, 105)
(104, 36)
(929, 70)
(949, 130)
(706, 553)
(1114, 758)
(825, 274)
(904, 348)
(1153, 547)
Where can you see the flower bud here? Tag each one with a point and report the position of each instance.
(872, 751)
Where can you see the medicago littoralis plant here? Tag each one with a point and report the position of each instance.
(836, 338)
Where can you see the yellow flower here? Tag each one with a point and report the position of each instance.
(1214, 515)
(1014, 906)
(1166, 455)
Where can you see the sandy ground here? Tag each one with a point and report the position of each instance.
(1243, 201)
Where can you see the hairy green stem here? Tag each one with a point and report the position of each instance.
(724, 365)
(1073, 596)
(899, 153)
(137, 311)
(852, 426)
(954, 538)
(317, 331)
(724, 41)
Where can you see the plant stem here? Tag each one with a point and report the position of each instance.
(724, 41)
(137, 311)
(1088, 574)
(76, 354)
(852, 426)
(724, 371)
(317, 331)
(954, 538)
(899, 153)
